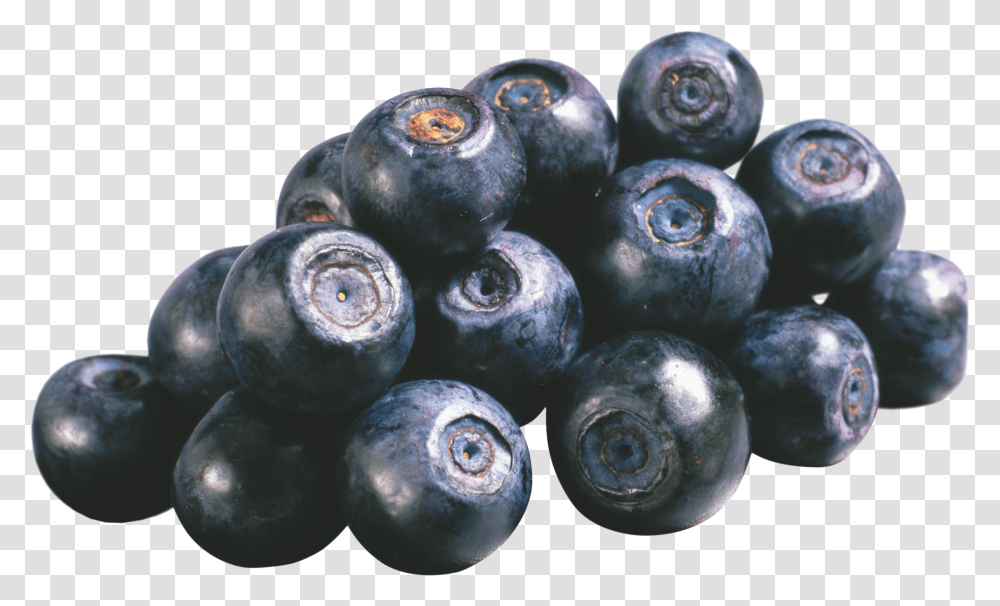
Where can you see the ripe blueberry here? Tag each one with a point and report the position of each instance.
(106, 435)
(914, 311)
(316, 317)
(648, 434)
(435, 476)
(834, 208)
(183, 339)
(689, 95)
(810, 382)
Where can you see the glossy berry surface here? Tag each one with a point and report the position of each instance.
(435, 476)
(648, 434)
(106, 435)
(433, 172)
(673, 245)
(508, 321)
(254, 486)
(313, 189)
(811, 385)
(183, 338)
(689, 95)
(915, 314)
(317, 318)
(570, 141)
(833, 206)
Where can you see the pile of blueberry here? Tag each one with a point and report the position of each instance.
(369, 362)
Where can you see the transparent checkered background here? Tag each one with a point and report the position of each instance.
(137, 136)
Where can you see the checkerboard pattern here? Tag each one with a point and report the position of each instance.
(137, 136)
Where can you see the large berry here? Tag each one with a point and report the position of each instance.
(834, 208)
(689, 95)
(435, 476)
(570, 141)
(433, 172)
(106, 435)
(915, 314)
(810, 382)
(673, 245)
(183, 338)
(649, 434)
(316, 317)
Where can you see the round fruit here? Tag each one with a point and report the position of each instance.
(648, 434)
(106, 435)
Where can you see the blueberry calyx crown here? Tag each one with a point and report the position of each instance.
(437, 118)
(828, 162)
(675, 211)
(621, 455)
(437, 125)
(523, 94)
(676, 219)
(858, 393)
(109, 374)
(693, 97)
(491, 281)
(475, 455)
(348, 287)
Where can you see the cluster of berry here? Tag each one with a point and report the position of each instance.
(368, 363)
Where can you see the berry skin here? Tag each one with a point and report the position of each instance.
(106, 435)
(435, 476)
(688, 95)
(317, 318)
(183, 339)
(313, 189)
(254, 486)
(432, 173)
(570, 140)
(810, 380)
(648, 434)
(508, 321)
(915, 314)
(833, 206)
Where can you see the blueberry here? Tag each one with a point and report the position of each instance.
(689, 95)
(648, 434)
(508, 321)
(435, 476)
(255, 486)
(914, 311)
(183, 337)
(810, 380)
(106, 435)
(569, 136)
(673, 245)
(313, 189)
(834, 208)
(316, 317)
(433, 172)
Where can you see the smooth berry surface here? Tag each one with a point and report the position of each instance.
(254, 486)
(435, 476)
(810, 380)
(833, 206)
(570, 141)
(106, 435)
(649, 434)
(915, 313)
(673, 245)
(508, 321)
(183, 338)
(433, 172)
(317, 318)
(313, 190)
(689, 95)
